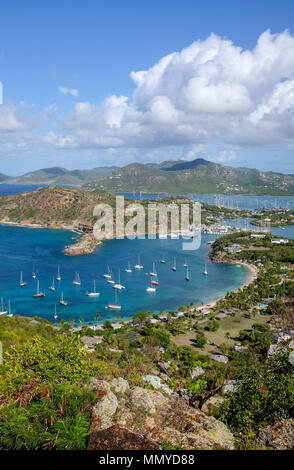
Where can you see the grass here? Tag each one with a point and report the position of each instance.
(231, 325)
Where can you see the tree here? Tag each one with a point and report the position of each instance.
(201, 340)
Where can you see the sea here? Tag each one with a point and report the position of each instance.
(41, 251)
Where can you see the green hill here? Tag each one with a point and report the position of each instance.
(197, 176)
(59, 175)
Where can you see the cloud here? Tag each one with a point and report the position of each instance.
(68, 91)
(212, 91)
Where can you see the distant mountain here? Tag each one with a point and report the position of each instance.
(3, 177)
(197, 176)
(59, 176)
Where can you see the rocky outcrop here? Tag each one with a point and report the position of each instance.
(84, 246)
(280, 436)
(125, 418)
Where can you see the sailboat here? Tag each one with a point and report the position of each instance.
(187, 274)
(111, 281)
(62, 301)
(162, 259)
(174, 268)
(139, 265)
(185, 263)
(38, 293)
(52, 287)
(118, 285)
(21, 282)
(93, 293)
(55, 316)
(116, 305)
(9, 310)
(77, 280)
(205, 271)
(128, 269)
(34, 274)
(3, 310)
(108, 274)
(150, 288)
(153, 272)
(58, 277)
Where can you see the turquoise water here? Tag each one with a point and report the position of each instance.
(25, 248)
(240, 202)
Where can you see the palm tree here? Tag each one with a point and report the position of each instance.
(97, 316)
(118, 318)
(81, 320)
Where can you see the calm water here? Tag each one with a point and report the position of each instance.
(10, 189)
(41, 249)
(240, 202)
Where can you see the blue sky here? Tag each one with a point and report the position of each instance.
(69, 99)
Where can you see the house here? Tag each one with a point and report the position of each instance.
(258, 236)
(154, 321)
(116, 326)
(280, 241)
(179, 314)
(163, 317)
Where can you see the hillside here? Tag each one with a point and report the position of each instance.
(198, 176)
(58, 175)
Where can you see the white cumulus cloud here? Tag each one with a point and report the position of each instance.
(68, 91)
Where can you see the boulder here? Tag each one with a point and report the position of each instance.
(280, 436)
(105, 408)
(147, 399)
(197, 372)
(116, 438)
(220, 358)
(120, 385)
(155, 381)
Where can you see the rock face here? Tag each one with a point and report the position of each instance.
(280, 436)
(125, 418)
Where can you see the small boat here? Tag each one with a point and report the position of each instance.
(34, 274)
(62, 301)
(111, 281)
(153, 272)
(55, 316)
(3, 310)
(187, 274)
(205, 271)
(52, 287)
(58, 277)
(150, 288)
(93, 293)
(128, 269)
(77, 280)
(108, 274)
(21, 282)
(118, 285)
(116, 305)
(155, 282)
(38, 293)
(162, 259)
(174, 268)
(185, 263)
(139, 265)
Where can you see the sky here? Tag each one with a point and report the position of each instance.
(100, 83)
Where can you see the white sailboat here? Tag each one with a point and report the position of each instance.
(205, 270)
(38, 293)
(174, 268)
(111, 281)
(185, 263)
(128, 269)
(118, 285)
(9, 310)
(116, 305)
(55, 316)
(62, 301)
(34, 274)
(150, 288)
(3, 310)
(52, 287)
(77, 280)
(93, 293)
(153, 272)
(163, 259)
(21, 282)
(187, 274)
(139, 265)
(58, 277)
(108, 274)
